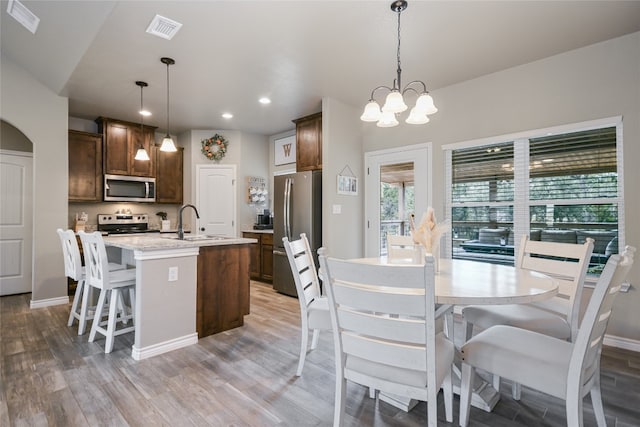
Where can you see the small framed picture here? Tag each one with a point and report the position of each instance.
(347, 185)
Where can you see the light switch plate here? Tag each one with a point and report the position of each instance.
(173, 274)
(337, 209)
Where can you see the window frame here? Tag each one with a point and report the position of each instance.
(521, 202)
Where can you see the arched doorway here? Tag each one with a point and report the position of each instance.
(16, 211)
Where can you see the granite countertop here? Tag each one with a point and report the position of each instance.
(155, 241)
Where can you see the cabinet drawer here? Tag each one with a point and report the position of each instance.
(267, 239)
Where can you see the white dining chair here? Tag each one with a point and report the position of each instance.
(557, 317)
(73, 269)
(384, 330)
(111, 285)
(314, 308)
(563, 369)
(400, 247)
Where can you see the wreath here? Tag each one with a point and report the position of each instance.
(215, 148)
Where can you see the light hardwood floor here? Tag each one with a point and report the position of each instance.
(243, 377)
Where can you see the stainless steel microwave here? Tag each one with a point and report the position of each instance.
(123, 188)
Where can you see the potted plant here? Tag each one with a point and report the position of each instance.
(166, 224)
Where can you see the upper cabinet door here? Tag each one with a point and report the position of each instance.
(85, 167)
(169, 176)
(142, 167)
(309, 142)
(121, 142)
(116, 148)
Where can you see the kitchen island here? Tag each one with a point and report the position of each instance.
(185, 289)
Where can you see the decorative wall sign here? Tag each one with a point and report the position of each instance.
(285, 150)
(256, 190)
(347, 182)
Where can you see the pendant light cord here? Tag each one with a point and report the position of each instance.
(167, 99)
(398, 53)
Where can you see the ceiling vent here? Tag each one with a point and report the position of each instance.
(23, 15)
(163, 27)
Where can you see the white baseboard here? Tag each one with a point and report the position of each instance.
(621, 342)
(41, 303)
(164, 347)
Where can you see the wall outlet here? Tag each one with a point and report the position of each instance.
(173, 274)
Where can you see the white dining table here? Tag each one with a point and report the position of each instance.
(464, 282)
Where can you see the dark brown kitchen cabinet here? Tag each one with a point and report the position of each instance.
(261, 256)
(121, 142)
(85, 167)
(309, 142)
(222, 298)
(169, 176)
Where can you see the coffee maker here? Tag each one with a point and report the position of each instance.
(264, 221)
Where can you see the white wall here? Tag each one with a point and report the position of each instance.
(41, 116)
(342, 234)
(247, 151)
(598, 81)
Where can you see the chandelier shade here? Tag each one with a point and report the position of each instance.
(167, 143)
(141, 153)
(395, 101)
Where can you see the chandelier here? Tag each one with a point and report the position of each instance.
(394, 103)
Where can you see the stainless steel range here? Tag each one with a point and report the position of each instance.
(123, 223)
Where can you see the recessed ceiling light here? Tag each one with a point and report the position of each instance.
(227, 115)
(23, 15)
(163, 27)
(145, 113)
(264, 100)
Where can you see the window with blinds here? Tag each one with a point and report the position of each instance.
(563, 186)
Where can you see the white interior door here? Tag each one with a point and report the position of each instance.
(16, 222)
(216, 199)
(420, 156)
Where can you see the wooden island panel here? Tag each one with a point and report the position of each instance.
(223, 288)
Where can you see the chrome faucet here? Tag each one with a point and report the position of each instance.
(180, 229)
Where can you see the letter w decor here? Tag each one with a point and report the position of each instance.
(285, 150)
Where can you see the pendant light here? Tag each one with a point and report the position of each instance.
(167, 142)
(394, 103)
(141, 154)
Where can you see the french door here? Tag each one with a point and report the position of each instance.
(399, 176)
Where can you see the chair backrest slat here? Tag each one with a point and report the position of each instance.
(566, 262)
(383, 313)
(588, 344)
(400, 247)
(303, 270)
(71, 252)
(96, 262)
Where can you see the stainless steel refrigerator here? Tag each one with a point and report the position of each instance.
(297, 208)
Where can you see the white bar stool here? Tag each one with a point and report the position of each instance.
(74, 270)
(111, 284)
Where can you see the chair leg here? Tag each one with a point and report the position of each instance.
(303, 345)
(596, 401)
(465, 393)
(467, 328)
(447, 391)
(516, 391)
(339, 406)
(76, 299)
(132, 299)
(84, 309)
(97, 318)
(116, 296)
(314, 339)
(574, 410)
(496, 382)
